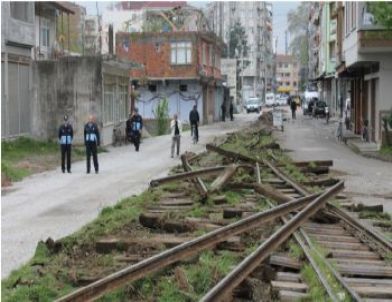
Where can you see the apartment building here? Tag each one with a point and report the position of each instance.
(256, 19)
(287, 74)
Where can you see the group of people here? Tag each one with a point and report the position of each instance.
(134, 126)
(91, 142)
(231, 111)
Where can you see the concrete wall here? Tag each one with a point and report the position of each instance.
(14, 30)
(179, 102)
(70, 85)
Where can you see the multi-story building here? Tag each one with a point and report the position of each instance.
(256, 19)
(28, 31)
(182, 67)
(314, 41)
(368, 67)
(93, 35)
(287, 74)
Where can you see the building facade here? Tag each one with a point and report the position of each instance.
(256, 19)
(287, 74)
(182, 67)
(28, 33)
(355, 65)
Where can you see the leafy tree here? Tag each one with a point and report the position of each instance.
(298, 27)
(238, 48)
(161, 114)
(382, 12)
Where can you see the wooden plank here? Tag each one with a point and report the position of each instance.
(292, 296)
(345, 245)
(336, 238)
(285, 261)
(286, 276)
(374, 292)
(176, 202)
(223, 178)
(369, 282)
(365, 270)
(359, 262)
(338, 253)
(325, 231)
(294, 286)
(324, 226)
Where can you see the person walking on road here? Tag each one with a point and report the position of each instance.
(194, 120)
(223, 107)
(231, 111)
(134, 128)
(176, 130)
(65, 139)
(92, 142)
(293, 107)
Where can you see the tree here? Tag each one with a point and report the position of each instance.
(298, 27)
(382, 12)
(161, 114)
(238, 48)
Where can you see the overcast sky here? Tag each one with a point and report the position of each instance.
(280, 10)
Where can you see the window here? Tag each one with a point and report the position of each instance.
(204, 55)
(115, 101)
(20, 11)
(183, 87)
(332, 51)
(287, 74)
(44, 32)
(212, 55)
(295, 84)
(287, 83)
(181, 53)
(286, 65)
(152, 88)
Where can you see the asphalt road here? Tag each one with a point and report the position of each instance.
(53, 204)
(367, 180)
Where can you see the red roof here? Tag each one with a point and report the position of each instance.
(136, 5)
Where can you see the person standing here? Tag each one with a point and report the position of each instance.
(231, 110)
(293, 107)
(134, 128)
(176, 130)
(65, 139)
(194, 121)
(91, 141)
(223, 107)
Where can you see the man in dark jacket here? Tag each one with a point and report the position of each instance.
(293, 107)
(231, 111)
(134, 128)
(65, 139)
(194, 120)
(223, 107)
(91, 141)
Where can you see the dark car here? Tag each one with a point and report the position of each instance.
(319, 109)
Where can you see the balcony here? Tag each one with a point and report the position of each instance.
(374, 41)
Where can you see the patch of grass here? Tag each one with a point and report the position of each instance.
(9, 171)
(374, 215)
(233, 197)
(295, 250)
(386, 150)
(24, 147)
(316, 291)
(169, 291)
(295, 173)
(27, 284)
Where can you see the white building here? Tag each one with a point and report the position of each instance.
(256, 19)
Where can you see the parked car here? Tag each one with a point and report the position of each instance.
(319, 109)
(282, 100)
(270, 99)
(253, 104)
(307, 106)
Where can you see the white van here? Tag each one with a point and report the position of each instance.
(270, 99)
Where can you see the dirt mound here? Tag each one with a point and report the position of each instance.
(266, 118)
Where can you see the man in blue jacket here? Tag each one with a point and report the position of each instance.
(91, 141)
(65, 139)
(134, 128)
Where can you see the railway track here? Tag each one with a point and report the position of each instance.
(354, 253)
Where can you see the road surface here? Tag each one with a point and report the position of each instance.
(53, 204)
(367, 180)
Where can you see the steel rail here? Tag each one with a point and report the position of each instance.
(220, 291)
(182, 251)
(370, 232)
(187, 175)
(312, 262)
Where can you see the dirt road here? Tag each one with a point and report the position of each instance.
(368, 180)
(53, 204)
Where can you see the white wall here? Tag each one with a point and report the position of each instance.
(148, 100)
